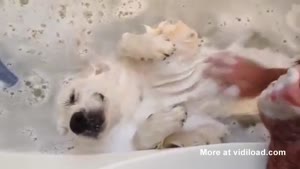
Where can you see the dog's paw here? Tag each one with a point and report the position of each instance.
(172, 119)
(146, 47)
(158, 126)
(197, 130)
(162, 48)
(209, 134)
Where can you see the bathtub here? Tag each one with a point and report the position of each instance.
(43, 42)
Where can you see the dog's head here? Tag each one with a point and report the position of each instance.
(85, 105)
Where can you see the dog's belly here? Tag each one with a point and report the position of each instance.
(178, 82)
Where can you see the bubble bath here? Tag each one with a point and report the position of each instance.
(44, 42)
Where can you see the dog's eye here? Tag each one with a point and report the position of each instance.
(72, 99)
(100, 96)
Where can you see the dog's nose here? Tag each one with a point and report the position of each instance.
(87, 123)
(78, 123)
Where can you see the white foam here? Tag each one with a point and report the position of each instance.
(230, 61)
(278, 87)
(232, 91)
(292, 75)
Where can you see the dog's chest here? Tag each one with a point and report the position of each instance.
(175, 81)
(120, 138)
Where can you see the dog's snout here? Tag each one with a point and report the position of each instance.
(87, 123)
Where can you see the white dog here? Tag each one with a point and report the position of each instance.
(151, 96)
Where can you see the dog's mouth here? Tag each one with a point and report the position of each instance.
(90, 134)
(93, 130)
(87, 124)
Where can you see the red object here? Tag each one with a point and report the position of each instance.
(252, 79)
(285, 135)
(280, 112)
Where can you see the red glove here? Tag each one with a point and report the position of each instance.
(279, 107)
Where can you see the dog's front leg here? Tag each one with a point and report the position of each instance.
(158, 126)
(146, 47)
(198, 130)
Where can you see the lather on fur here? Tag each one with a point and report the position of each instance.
(153, 95)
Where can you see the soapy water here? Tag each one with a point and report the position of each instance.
(44, 42)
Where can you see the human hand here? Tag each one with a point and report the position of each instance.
(229, 70)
